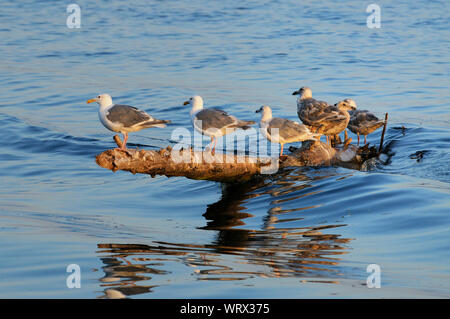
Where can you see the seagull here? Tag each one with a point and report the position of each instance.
(282, 131)
(320, 116)
(362, 121)
(213, 122)
(123, 118)
(345, 107)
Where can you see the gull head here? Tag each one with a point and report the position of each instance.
(352, 103)
(102, 100)
(346, 105)
(196, 102)
(266, 112)
(304, 92)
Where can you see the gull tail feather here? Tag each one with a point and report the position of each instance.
(155, 123)
(379, 124)
(245, 125)
(315, 136)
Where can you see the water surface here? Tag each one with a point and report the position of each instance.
(305, 233)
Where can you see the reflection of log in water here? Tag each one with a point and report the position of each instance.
(306, 252)
(303, 253)
(227, 213)
(122, 275)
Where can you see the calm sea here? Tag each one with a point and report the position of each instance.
(305, 233)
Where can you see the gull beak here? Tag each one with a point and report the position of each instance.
(91, 100)
(258, 110)
(295, 92)
(186, 103)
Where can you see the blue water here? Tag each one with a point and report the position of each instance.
(308, 232)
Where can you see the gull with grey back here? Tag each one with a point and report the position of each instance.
(213, 122)
(282, 131)
(124, 118)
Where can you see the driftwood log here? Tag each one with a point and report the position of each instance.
(228, 168)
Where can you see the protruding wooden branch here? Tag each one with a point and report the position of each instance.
(382, 134)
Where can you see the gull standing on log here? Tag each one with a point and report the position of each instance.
(123, 118)
(320, 116)
(362, 121)
(344, 108)
(213, 122)
(282, 131)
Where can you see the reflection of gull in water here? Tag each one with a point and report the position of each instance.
(282, 131)
(114, 294)
(121, 275)
(213, 122)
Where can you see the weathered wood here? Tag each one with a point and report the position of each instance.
(382, 134)
(227, 167)
(202, 165)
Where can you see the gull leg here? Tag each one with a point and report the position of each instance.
(358, 138)
(214, 147)
(365, 140)
(125, 139)
(211, 144)
(336, 140)
(347, 139)
(347, 142)
(123, 146)
(282, 157)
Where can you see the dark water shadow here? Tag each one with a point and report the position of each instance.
(282, 246)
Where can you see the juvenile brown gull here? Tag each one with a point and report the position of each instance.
(320, 116)
(362, 121)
